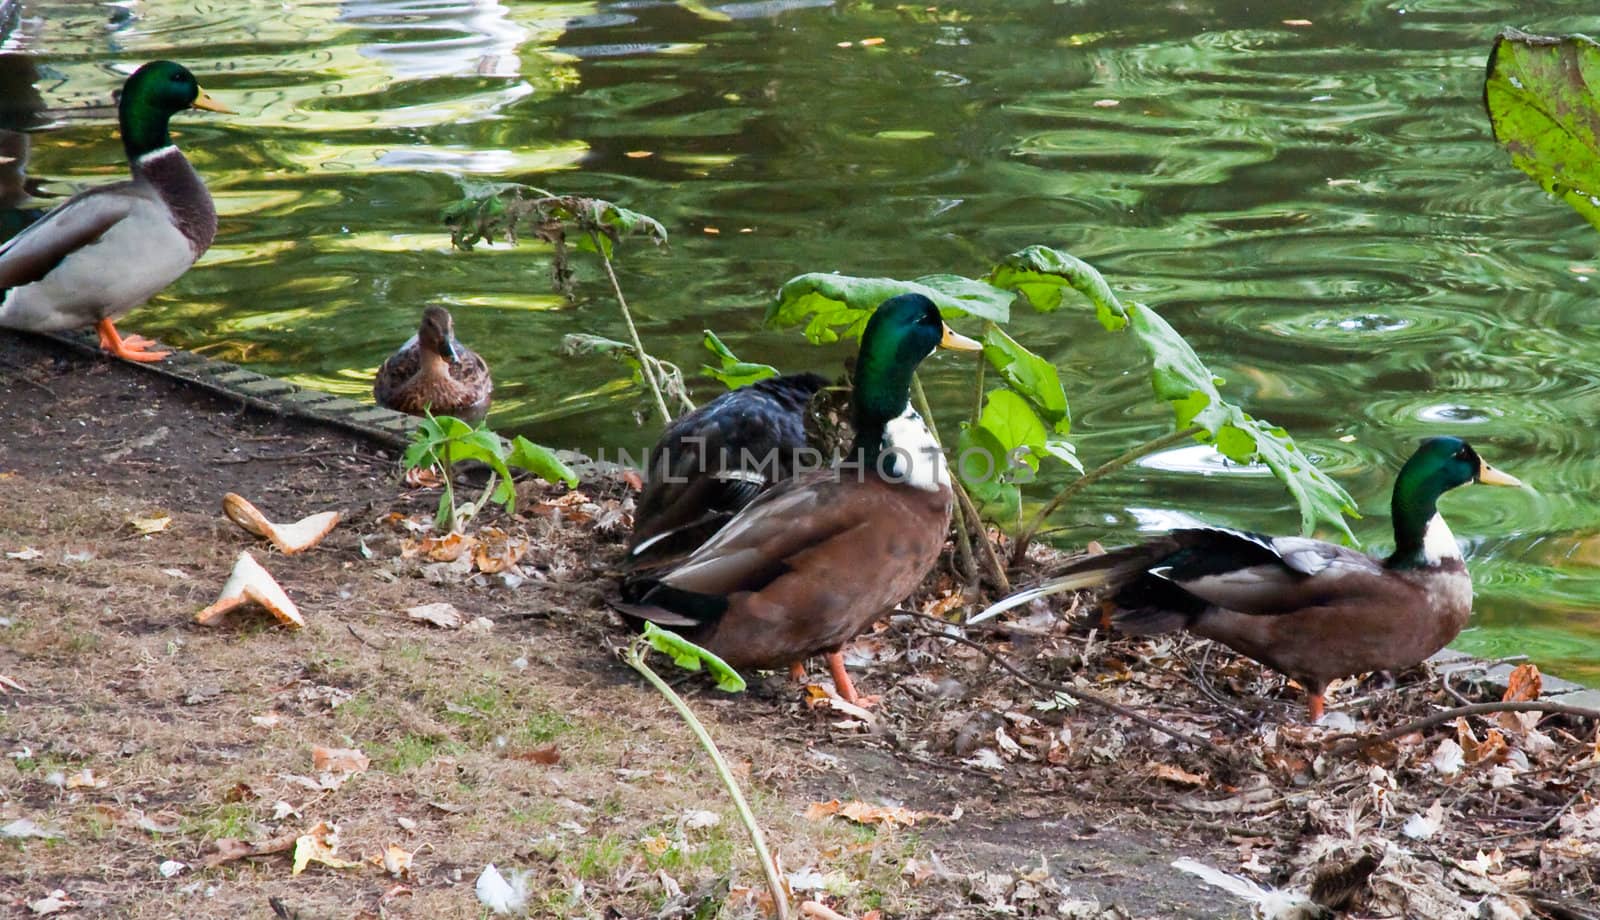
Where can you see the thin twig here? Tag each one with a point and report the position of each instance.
(633, 332)
(964, 557)
(1020, 550)
(1349, 743)
(1077, 693)
(973, 534)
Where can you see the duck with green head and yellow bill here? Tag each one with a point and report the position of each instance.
(1312, 610)
(816, 558)
(106, 250)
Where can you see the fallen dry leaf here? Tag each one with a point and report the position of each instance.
(497, 550)
(51, 903)
(393, 860)
(1491, 750)
(319, 844)
(1178, 775)
(153, 522)
(547, 754)
(863, 813)
(1524, 684)
(339, 760)
(442, 615)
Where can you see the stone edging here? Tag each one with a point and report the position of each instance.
(269, 394)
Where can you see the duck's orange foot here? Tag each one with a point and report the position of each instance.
(1314, 707)
(846, 687)
(132, 348)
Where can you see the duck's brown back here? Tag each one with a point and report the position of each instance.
(811, 564)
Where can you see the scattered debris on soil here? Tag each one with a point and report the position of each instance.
(450, 733)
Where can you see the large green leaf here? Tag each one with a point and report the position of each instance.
(691, 657)
(981, 463)
(1042, 276)
(733, 372)
(1179, 377)
(1541, 97)
(1030, 375)
(832, 306)
(540, 461)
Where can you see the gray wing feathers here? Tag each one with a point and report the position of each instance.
(31, 254)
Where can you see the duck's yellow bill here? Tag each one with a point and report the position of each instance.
(1489, 476)
(955, 341)
(204, 101)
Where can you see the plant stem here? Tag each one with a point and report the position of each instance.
(965, 542)
(635, 658)
(633, 332)
(1093, 476)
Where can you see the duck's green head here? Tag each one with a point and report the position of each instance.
(150, 97)
(1439, 465)
(903, 330)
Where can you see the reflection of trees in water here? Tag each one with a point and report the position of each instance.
(454, 38)
(21, 110)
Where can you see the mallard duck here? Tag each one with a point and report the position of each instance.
(433, 372)
(1312, 610)
(108, 249)
(814, 559)
(711, 462)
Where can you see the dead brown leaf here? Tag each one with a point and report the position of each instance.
(1491, 750)
(229, 849)
(1524, 684)
(547, 754)
(1178, 775)
(346, 760)
(446, 548)
(497, 550)
(863, 813)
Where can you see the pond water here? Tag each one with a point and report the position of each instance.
(1317, 205)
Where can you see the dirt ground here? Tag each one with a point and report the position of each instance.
(156, 768)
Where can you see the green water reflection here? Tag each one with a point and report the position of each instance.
(1318, 207)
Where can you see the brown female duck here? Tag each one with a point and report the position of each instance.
(433, 372)
(1312, 610)
(812, 561)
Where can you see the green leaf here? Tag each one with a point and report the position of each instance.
(691, 657)
(1181, 379)
(1013, 424)
(582, 343)
(1541, 97)
(832, 306)
(1042, 275)
(1063, 450)
(540, 461)
(732, 372)
(1030, 375)
(982, 465)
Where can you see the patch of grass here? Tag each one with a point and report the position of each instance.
(599, 858)
(230, 819)
(544, 726)
(410, 752)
